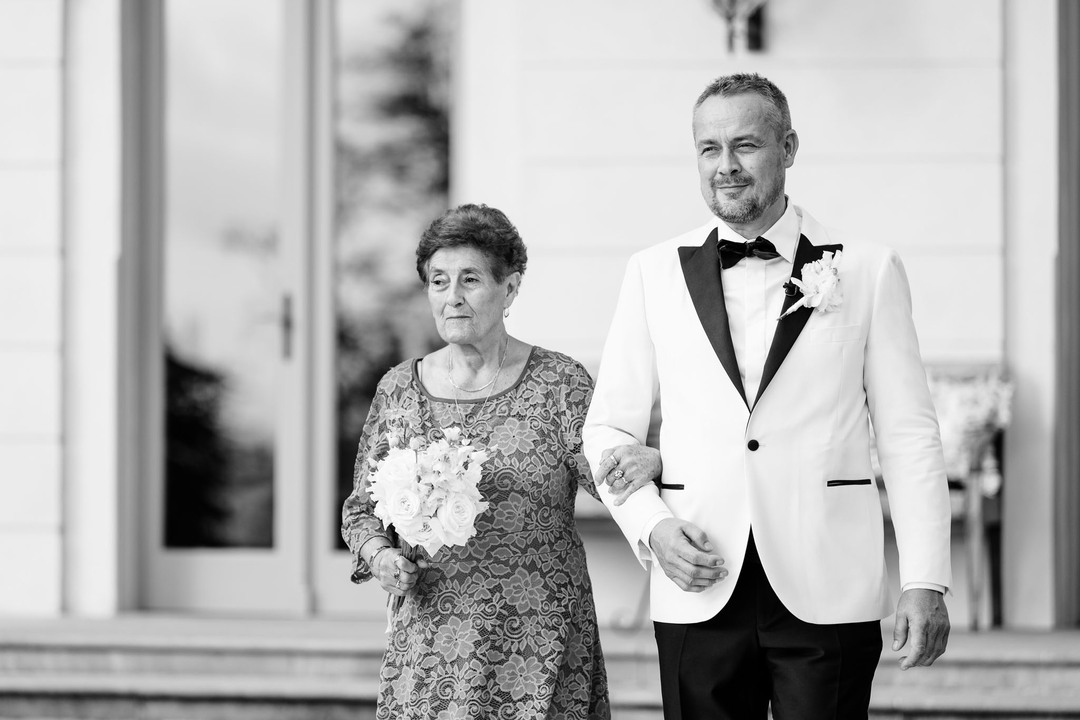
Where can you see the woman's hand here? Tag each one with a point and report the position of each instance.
(628, 468)
(397, 574)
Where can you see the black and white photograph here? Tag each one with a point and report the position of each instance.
(562, 360)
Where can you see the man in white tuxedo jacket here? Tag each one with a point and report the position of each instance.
(762, 526)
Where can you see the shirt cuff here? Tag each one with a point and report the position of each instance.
(924, 586)
(648, 527)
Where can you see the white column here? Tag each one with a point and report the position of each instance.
(1031, 239)
(91, 372)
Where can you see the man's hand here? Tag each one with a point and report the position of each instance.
(628, 468)
(686, 555)
(921, 616)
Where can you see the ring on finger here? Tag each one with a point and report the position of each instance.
(619, 475)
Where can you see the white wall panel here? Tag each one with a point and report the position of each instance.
(916, 113)
(30, 296)
(933, 205)
(29, 202)
(567, 301)
(31, 30)
(872, 31)
(622, 113)
(618, 205)
(958, 304)
(29, 486)
(29, 114)
(30, 565)
(30, 393)
(31, 219)
(647, 31)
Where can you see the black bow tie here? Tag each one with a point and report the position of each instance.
(732, 251)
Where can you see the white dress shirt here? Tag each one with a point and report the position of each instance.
(754, 296)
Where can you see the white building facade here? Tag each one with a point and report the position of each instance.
(929, 126)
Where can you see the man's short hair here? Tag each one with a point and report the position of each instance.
(743, 83)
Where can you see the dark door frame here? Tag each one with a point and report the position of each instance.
(1067, 411)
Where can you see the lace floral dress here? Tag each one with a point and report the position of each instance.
(504, 627)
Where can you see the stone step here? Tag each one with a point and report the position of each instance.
(306, 661)
(325, 670)
(120, 658)
(349, 659)
(355, 652)
(995, 663)
(148, 696)
(956, 703)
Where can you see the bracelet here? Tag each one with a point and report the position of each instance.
(371, 560)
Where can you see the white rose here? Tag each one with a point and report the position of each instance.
(424, 534)
(457, 517)
(404, 507)
(397, 469)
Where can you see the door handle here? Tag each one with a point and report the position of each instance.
(287, 324)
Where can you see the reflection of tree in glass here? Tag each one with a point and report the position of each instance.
(393, 179)
(219, 491)
(194, 454)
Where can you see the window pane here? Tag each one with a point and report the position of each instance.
(222, 294)
(392, 136)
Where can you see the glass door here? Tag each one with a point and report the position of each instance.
(387, 150)
(303, 147)
(226, 518)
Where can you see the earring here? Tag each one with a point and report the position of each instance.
(506, 313)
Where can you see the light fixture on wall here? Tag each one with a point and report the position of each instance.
(744, 20)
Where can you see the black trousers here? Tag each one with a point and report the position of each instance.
(755, 651)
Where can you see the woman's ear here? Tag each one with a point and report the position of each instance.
(513, 284)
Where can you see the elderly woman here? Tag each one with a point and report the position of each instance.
(504, 627)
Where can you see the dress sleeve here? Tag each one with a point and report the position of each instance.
(574, 403)
(358, 521)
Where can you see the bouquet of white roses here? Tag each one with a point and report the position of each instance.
(428, 493)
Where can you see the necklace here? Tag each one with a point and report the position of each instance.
(485, 386)
(457, 406)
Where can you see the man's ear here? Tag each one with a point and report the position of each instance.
(790, 143)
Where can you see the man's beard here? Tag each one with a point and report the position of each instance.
(747, 210)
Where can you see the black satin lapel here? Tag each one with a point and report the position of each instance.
(701, 268)
(788, 329)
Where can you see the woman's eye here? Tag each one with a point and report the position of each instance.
(438, 282)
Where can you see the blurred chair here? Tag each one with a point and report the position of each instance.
(973, 405)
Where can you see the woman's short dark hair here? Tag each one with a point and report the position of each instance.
(479, 226)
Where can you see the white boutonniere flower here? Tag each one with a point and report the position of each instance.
(820, 284)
